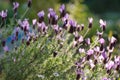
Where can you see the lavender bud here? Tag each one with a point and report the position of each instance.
(34, 22)
(62, 10)
(29, 3)
(15, 6)
(90, 22)
(3, 43)
(6, 49)
(72, 26)
(28, 43)
(87, 41)
(102, 24)
(3, 14)
(55, 54)
(99, 34)
(101, 41)
(82, 27)
(41, 16)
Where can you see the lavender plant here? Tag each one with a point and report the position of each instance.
(58, 49)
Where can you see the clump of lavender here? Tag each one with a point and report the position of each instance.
(55, 47)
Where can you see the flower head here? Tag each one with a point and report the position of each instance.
(41, 16)
(90, 52)
(102, 24)
(15, 6)
(34, 21)
(62, 10)
(3, 14)
(90, 22)
(6, 49)
(29, 3)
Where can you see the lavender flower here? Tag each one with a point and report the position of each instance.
(6, 49)
(105, 79)
(109, 66)
(34, 21)
(62, 10)
(102, 24)
(3, 43)
(15, 6)
(3, 14)
(91, 64)
(112, 44)
(29, 3)
(89, 53)
(97, 49)
(104, 55)
(25, 25)
(42, 27)
(101, 41)
(65, 21)
(99, 34)
(90, 22)
(41, 16)
(82, 27)
(80, 39)
(87, 41)
(53, 18)
(81, 50)
(73, 25)
(79, 74)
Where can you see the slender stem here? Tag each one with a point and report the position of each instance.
(86, 32)
(25, 13)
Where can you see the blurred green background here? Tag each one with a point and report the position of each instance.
(79, 10)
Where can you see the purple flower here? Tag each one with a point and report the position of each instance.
(62, 10)
(25, 25)
(109, 65)
(91, 63)
(82, 27)
(99, 34)
(6, 49)
(17, 31)
(90, 22)
(3, 43)
(15, 6)
(73, 25)
(105, 79)
(80, 39)
(117, 59)
(81, 50)
(51, 13)
(34, 22)
(102, 24)
(113, 39)
(104, 55)
(41, 16)
(53, 18)
(112, 44)
(97, 49)
(87, 41)
(79, 74)
(90, 52)
(101, 41)
(29, 3)
(42, 27)
(3, 14)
